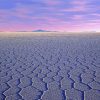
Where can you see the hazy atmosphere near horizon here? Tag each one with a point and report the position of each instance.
(49, 49)
(51, 15)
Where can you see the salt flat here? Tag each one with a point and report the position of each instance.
(50, 68)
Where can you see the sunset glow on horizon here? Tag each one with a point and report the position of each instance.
(51, 15)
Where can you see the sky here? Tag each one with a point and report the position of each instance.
(52, 15)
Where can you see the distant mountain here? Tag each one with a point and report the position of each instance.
(21, 31)
(42, 31)
(39, 30)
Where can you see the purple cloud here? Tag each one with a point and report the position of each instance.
(61, 15)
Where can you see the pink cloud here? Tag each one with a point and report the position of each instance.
(3, 13)
(95, 14)
(17, 12)
(52, 2)
(74, 9)
(77, 5)
(60, 27)
(78, 17)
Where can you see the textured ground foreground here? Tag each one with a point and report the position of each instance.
(50, 68)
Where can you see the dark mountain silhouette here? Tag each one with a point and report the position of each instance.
(40, 30)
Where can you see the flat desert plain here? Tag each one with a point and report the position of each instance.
(50, 67)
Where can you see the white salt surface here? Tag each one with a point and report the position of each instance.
(50, 68)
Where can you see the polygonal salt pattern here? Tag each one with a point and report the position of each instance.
(50, 68)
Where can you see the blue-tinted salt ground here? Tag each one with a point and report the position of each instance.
(50, 68)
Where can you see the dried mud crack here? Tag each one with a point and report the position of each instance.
(50, 68)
